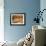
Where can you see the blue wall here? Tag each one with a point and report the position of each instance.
(30, 7)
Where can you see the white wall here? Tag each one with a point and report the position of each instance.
(43, 6)
(1, 20)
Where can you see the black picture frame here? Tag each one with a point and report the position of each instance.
(17, 19)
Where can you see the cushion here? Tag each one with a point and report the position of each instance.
(20, 42)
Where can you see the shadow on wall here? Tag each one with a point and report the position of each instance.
(39, 16)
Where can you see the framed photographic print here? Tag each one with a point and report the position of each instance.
(17, 19)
